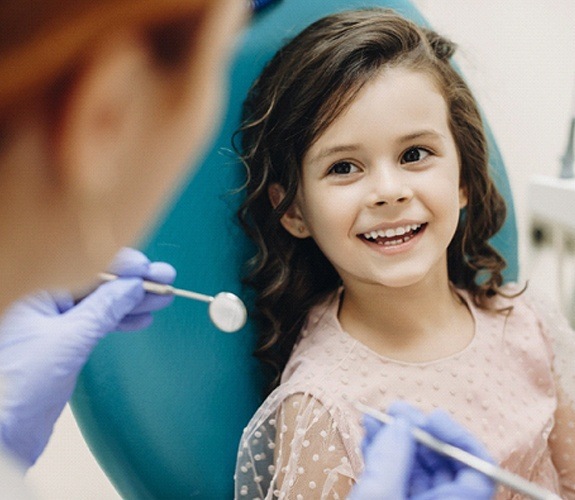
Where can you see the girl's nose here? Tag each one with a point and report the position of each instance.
(390, 187)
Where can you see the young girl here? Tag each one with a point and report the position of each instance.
(371, 203)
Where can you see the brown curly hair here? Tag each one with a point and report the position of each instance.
(301, 91)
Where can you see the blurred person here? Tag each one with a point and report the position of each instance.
(102, 105)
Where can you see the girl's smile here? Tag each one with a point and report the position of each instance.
(394, 239)
(380, 191)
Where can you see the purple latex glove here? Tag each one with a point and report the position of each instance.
(46, 339)
(398, 468)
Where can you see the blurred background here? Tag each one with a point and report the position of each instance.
(519, 59)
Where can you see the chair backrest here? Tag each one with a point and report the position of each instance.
(163, 410)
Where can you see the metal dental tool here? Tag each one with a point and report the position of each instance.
(494, 472)
(226, 310)
(568, 159)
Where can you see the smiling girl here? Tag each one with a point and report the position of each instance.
(370, 199)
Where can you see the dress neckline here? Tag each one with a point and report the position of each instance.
(476, 315)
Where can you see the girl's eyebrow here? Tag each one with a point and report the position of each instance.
(350, 148)
(421, 134)
(344, 148)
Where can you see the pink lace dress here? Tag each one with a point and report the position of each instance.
(512, 386)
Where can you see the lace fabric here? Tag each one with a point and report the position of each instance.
(297, 448)
(511, 387)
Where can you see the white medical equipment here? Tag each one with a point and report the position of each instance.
(494, 472)
(226, 310)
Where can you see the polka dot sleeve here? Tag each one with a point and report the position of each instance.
(561, 339)
(296, 448)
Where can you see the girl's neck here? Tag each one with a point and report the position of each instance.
(417, 323)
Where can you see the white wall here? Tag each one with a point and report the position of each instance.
(519, 57)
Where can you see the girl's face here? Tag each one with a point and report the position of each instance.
(380, 191)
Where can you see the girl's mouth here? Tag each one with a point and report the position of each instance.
(393, 237)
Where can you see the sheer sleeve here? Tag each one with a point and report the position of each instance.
(561, 339)
(296, 448)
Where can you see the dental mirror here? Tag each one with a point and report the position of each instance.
(226, 310)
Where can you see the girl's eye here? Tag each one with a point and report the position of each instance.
(343, 168)
(413, 155)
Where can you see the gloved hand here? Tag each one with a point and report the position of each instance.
(398, 468)
(46, 339)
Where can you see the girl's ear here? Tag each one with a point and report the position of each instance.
(463, 199)
(292, 221)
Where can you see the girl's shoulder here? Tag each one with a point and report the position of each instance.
(517, 316)
(317, 343)
(525, 309)
(533, 313)
(528, 302)
(513, 299)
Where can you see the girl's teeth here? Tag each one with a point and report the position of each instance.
(391, 243)
(390, 233)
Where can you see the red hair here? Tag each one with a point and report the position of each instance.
(42, 40)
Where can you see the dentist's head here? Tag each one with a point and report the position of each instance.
(102, 104)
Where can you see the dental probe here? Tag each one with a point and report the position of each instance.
(226, 310)
(492, 471)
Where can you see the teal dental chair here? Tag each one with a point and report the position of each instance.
(163, 410)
